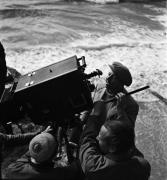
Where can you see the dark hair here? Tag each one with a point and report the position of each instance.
(3, 68)
(121, 136)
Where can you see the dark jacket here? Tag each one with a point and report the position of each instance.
(14, 140)
(3, 69)
(23, 168)
(131, 107)
(97, 166)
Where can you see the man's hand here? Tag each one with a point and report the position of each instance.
(121, 100)
(47, 130)
(98, 108)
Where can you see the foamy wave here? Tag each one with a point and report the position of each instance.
(103, 1)
(119, 45)
(147, 64)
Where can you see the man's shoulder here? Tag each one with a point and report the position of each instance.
(19, 169)
(142, 163)
(130, 100)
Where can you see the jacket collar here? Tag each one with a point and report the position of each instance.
(42, 166)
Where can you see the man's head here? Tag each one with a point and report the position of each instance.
(3, 69)
(116, 137)
(43, 147)
(118, 76)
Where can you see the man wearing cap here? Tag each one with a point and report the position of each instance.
(7, 140)
(38, 162)
(107, 149)
(118, 77)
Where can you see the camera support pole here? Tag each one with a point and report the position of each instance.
(129, 93)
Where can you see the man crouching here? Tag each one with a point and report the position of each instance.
(38, 162)
(107, 151)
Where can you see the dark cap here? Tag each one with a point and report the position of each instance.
(122, 73)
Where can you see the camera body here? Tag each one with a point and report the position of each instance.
(54, 92)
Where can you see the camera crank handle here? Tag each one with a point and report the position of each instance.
(129, 93)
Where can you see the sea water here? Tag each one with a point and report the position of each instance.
(36, 33)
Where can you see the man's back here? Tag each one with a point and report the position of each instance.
(132, 169)
(99, 163)
(23, 168)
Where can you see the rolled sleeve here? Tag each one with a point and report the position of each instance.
(18, 139)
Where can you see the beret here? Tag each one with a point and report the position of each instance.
(122, 73)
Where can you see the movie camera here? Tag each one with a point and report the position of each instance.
(53, 93)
